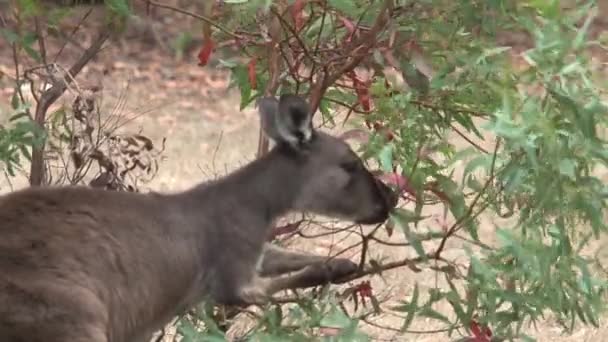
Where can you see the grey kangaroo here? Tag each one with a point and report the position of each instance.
(79, 264)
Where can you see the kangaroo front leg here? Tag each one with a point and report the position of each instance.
(312, 275)
(278, 260)
(315, 275)
(261, 289)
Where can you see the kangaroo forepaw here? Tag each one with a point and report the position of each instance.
(255, 296)
(328, 272)
(340, 268)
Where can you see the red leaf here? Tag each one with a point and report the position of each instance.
(296, 13)
(362, 90)
(401, 182)
(350, 27)
(205, 53)
(251, 73)
(480, 334)
(364, 289)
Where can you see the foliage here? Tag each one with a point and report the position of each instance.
(21, 134)
(539, 179)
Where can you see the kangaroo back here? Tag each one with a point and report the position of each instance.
(83, 264)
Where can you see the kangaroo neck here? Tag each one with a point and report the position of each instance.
(267, 186)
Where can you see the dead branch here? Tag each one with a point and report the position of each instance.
(52, 94)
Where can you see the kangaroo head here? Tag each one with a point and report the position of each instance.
(332, 179)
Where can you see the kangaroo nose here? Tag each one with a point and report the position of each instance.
(390, 196)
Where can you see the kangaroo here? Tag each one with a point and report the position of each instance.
(81, 264)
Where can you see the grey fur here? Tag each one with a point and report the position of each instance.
(79, 264)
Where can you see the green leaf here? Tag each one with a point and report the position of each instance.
(547, 8)
(567, 168)
(427, 311)
(579, 40)
(19, 116)
(15, 101)
(9, 35)
(188, 331)
(483, 160)
(376, 304)
(410, 308)
(403, 218)
(454, 300)
(492, 52)
(324, 109)
(120, 7)
(240, 76)
(227, 63)
(26, 152)
(28, 7)
(457, 204)
(347, 7)
(336, 318)
(386, 158)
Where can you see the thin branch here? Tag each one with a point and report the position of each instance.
(41, 44)
(463, 136)
(468, 215)
(388, 266)
(294, 34)
(318, 41)
(71, 37)
(457, 110)
(358, 52)
(194, 15)
(15, 62)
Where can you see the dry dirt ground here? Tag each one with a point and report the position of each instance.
(207, 133)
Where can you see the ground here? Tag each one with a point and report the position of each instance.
(207, 133)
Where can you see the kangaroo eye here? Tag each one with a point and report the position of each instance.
(350, 166)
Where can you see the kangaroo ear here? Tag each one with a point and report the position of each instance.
(288, 120)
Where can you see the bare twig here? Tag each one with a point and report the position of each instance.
(294, 34)
(15, 62)
(41, 44)
(71, 37)
(194, 15)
